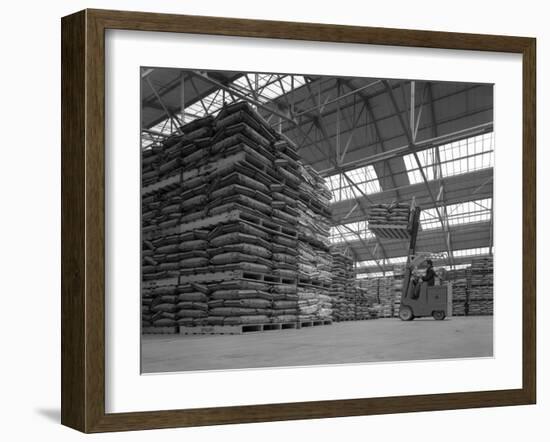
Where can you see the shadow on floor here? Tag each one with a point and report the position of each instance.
(51, 414)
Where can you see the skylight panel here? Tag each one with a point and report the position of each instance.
(471, 252)
(469, 212)
(458, 157)
(364, 179)
(461, 213)
(429, 219)
(397, 260)
(368, 263)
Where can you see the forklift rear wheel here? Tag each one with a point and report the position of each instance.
(438, 315)
(406, 313)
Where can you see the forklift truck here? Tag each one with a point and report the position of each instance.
(435, 301)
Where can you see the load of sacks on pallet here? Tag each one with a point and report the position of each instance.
(394, 214)
(221, 205)
(480, 290)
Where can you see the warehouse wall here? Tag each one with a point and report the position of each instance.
(30, 262)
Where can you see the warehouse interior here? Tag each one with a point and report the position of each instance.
(365, 147)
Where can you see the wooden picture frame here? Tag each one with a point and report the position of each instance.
(83, 220)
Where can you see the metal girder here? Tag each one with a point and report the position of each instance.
(254, 102)
(320, 125)
(170, 115)
(363, 242)
(337, 99)
(420, 168)
(368, 107)
(419, 146)
(352, 249)
(386, 117)
(323, 131)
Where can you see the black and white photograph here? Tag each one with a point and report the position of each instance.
(295, 220)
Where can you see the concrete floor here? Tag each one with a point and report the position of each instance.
(344, 342)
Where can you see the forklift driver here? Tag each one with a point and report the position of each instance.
(428, 278)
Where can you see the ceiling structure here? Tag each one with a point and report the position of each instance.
(375, 140)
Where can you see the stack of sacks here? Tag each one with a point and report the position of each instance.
(342, 289)
(362, 304)
(374, 311)
(386, 294)
(343, 308)
(262, 185)
(192, 304)
(398, 279)
(159, 307)
(180, 252)
(239, 302)
(458, 280)
(313, 304)
(188, 149)
(150, 159)
(369, 288)
(395, 214)
(325, 305)
(313, 209)
(166, 252)
(480, 292)
(238, 245)
(220, 196)
(285, 304)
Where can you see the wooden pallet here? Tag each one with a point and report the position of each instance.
(159, 283)
(313, 323)
(236, 329)
(160, 330)
(390, 231)
(279, 227)
(313, 283)
(176, 180)
(261, 277)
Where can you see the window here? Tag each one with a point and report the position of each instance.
(397, 260)
(456, 267)
(375, 275)
(455, 158)
(364, 179)
(461, 213)
(368, 263)
(469, 212)
(471, 252)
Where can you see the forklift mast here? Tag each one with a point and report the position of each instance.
(413, 230)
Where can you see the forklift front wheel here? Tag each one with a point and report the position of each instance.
(406, 313)
(438, 315)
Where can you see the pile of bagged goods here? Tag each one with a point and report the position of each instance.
(351, 300)
(398, 281)
(458, 279)
(230, 219)
(480, 290)
(314, 259)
